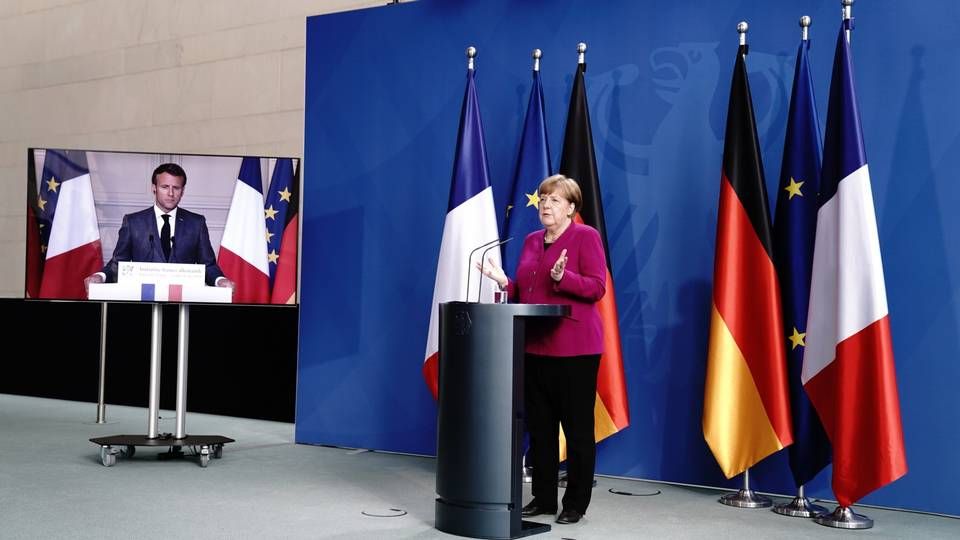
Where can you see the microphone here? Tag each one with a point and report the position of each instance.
(173, 245)
(470, 258)
(482, 257)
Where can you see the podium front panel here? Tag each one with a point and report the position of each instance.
(480, 416)
(476, 403)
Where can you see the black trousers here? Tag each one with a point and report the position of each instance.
(561, 391)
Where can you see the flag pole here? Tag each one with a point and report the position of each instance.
(801, 506)
(471, 54)
(745, 497)
(102, 381)
(526, 471)
(843, 517)
(582, 66)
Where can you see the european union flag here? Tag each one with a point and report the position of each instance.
(794, 232)
(533, 165)
(277, 208)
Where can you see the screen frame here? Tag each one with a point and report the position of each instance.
(267, 163)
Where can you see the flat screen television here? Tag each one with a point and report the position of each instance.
(132, 221)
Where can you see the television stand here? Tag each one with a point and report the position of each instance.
(205, 446)
(125, 446)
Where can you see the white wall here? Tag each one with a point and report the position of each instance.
(192, 76)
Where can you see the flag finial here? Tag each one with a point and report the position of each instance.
(537, 55)
(847, 16)
(742, 28)
(581, 50)
(805, 23)
(471, 54)
(847, 8)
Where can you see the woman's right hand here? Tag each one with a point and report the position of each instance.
(493, 271)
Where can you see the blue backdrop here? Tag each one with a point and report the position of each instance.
(383, 93)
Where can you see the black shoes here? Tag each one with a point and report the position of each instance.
(535, 509)
(569, 516)
(565, 517)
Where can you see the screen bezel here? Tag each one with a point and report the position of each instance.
(34, 175)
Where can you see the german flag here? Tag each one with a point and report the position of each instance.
(579, 161)
(746, 410)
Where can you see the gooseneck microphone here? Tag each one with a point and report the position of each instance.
(470, 259)
(482, 258)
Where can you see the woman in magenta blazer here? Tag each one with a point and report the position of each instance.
(562, 264)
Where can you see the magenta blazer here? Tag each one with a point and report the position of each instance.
(583, 284)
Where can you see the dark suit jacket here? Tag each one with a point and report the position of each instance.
(139, 241)
(584, 282)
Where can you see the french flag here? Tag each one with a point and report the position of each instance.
(150, 292)
(243, 249)
(69, 233)
(471, 221)
(848, 369)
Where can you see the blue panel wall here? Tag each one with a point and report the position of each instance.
(383, 93)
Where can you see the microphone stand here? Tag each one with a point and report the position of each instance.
(482, 256)
(470, 259)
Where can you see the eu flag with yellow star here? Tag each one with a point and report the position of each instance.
(533, 165)
(276, 209)
(794, 231)
(282, 210)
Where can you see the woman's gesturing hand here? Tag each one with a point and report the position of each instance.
(556, 273)
(493, 271)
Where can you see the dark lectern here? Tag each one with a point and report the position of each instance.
(480, 418)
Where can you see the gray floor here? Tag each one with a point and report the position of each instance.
(52, 485)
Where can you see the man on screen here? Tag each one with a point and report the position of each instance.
(164, 232)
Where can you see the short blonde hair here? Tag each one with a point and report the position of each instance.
(568, 188)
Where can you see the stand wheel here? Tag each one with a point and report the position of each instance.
(217, 451)
(107, 456)
(128, 451)
(204, 456)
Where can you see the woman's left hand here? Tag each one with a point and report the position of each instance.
(556, 273)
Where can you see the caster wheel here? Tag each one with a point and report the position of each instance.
(107, 456)
(204, 456)
(217, 451)
(128, 451)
